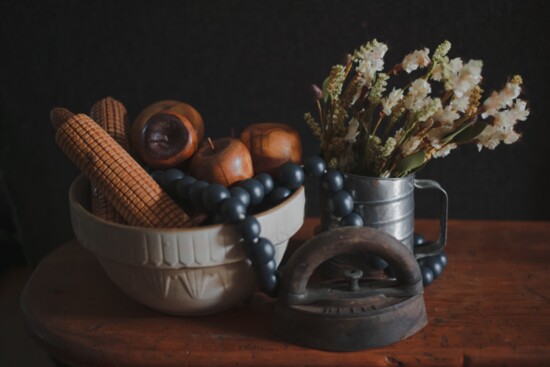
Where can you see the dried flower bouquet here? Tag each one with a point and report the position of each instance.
(365, 130)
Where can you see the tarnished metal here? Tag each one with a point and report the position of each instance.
(353, 312)
(388, 204)
(432, 248)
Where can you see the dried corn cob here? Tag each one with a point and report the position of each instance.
(59, 115)
(127, 186)
(112, 116)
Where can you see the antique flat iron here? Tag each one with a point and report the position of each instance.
(355, 312)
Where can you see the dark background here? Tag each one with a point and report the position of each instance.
(240, 62)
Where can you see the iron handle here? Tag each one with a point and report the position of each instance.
(339, 241)
(353, 276)
(432, 248)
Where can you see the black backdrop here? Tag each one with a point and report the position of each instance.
(240, 62)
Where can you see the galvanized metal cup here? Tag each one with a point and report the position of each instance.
(387, 204)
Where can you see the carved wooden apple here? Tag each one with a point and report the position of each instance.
(271, 145)
(165, 140)
(166, 133)
(182, 108)
(225, 161)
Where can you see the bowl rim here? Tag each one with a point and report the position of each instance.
(77, 205)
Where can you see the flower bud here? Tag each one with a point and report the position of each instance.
(317, 92)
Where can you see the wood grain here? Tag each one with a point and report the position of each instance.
(490, 308)
(271, 145)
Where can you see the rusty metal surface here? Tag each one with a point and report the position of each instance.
(355, 312)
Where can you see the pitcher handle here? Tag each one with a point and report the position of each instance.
(433, 248)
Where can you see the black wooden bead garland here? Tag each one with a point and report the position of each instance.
(231, 206)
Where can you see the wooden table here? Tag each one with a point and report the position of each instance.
(491, 307)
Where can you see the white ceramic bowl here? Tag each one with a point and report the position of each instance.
(191, 271)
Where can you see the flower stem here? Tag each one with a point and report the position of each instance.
(446, 97)
(321, 116)
(211, 144)
(382, 115)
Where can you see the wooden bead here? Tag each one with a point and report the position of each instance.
(255, 189)
(261, 252)
(250, 228)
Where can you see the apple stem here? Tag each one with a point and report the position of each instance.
(211, 144)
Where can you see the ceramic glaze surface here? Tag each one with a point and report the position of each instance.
(180, 271)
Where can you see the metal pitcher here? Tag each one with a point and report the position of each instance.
(387, 204)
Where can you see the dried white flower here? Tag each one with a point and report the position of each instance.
(468, 77)
(520, 110)
(455, 65)
(445, 71)
(437, 71)
(489, 138)
(353, 131)
(446, 115)
(420, 88)
(507, 119)
(458, 77)
(502, 128)
(370, 59)
(417, 94)
(391, 100)
(501, 99)
(416, 59)
(429, 108)
(444, 151)
(511, 138)
(461, 104)
(411, 145)
(414, 119)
